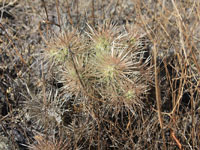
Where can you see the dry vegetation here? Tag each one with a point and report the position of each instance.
(98, 74)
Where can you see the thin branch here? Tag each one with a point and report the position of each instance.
(158, 97)
(58, 13)
(72, 58)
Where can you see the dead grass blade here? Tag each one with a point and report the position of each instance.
(158, 97)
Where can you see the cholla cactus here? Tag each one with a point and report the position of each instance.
(74, 75)
(115, 64)
(104, 75)
(104, 66)
(45, 113)
(58, 47)
(45, 144)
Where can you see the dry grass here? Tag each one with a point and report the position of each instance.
(100, 74)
